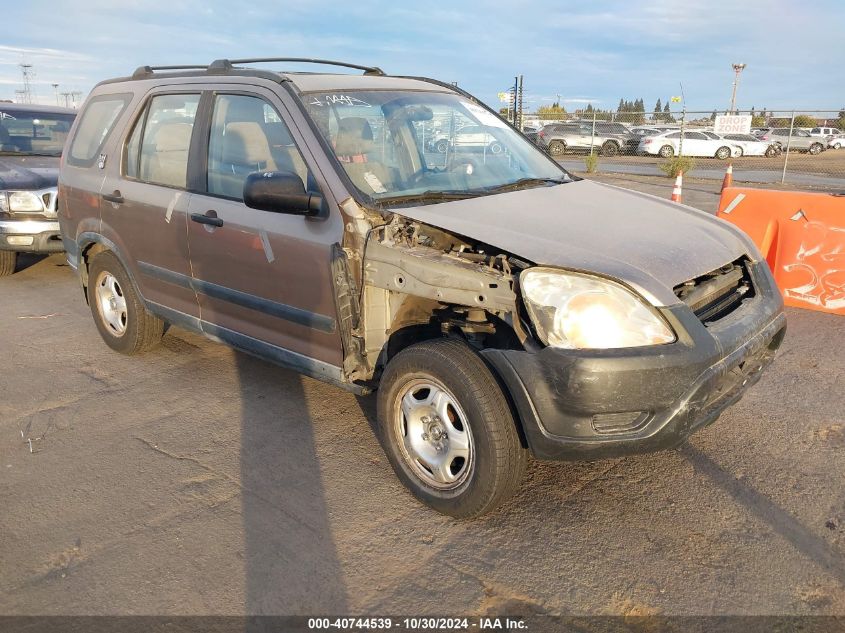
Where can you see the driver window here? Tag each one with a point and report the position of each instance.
(248, 135)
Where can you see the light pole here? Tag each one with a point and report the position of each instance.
(738, 68)
(56, 90)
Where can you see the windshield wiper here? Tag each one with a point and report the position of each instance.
(432, 195)
(526, 182)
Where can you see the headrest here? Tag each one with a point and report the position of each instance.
(172, 137)
(354, 136)
(245, 143)
(277, 134)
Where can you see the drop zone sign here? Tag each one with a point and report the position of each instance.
(732, 124)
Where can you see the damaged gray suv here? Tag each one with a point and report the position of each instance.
(498, 305)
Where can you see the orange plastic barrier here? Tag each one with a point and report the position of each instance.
(802, 237)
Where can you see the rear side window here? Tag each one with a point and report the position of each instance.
(96, 124)
(157, 150)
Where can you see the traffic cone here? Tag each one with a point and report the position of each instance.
(676, 190)
(729, 176)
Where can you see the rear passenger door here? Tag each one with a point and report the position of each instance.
(144, 200)
(263, 279)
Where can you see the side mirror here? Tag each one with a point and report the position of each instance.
(280, 192)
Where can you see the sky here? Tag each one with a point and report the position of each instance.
(587, 52)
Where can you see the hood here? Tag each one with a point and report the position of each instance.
(29, 172)
(650, 243)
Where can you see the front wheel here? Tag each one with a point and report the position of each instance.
(118, 312)
(723, 152)
(771, 151)
(667, 151)
(609, 149)
(8, 261)
(447, 429)
(557, 148)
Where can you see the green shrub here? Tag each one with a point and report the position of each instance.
(677, 164)
(592, 162)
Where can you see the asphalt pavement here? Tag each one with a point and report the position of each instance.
(197, 480)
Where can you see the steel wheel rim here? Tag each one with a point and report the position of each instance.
(111, 303)
(433, 434)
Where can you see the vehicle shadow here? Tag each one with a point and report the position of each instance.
(27, 260)
(291, 564)
(767, 511)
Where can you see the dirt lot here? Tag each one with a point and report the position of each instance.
(198, 480)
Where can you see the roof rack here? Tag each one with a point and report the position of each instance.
(146, 71)
(227, 64)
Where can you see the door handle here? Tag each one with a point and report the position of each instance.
(206, 219)
(115, 197)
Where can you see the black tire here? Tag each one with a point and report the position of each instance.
(496, 461)
(142, 330)
(739, 152)
(816, 148)
(723, 153)
(771, 151)
(609, 149)
(557, 148)
(8, 262)
(667, 151)
(837, 145)
(441, 146)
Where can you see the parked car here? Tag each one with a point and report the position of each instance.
(825, 131)
(748, 145)
(560, 138)
(497, 304)
(668, 144)
(800, 140)
(836, 142)
(31, 141)
(468, 137)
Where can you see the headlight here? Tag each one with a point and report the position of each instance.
(577, 311)
(25, 202)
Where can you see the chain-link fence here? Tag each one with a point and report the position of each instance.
(802, 149)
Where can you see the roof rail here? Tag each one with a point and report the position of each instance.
(146, 71)
(222, 65)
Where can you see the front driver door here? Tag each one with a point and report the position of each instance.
(263, 279)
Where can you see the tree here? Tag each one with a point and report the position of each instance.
(753, 114)
(713, 115)
(658, 108)
(804, 120)
(841, 123)
(552, 112)
(667, 115)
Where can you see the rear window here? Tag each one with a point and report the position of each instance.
(96, 124)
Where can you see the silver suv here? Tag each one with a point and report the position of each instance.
(800, 140)
(559, 138)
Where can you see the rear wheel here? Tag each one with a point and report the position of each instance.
(118, 312)
(815, 148)
(557, 148)
(448, 430)
(8, 261)
(609, 149)
(723, 152)
(739, 152)
(667, 151)
(837, 145)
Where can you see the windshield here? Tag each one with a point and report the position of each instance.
(397, 145)
(26, 132)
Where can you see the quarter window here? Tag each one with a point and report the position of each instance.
(96, 123)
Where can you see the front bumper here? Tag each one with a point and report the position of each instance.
(595, 404)
(31, 236)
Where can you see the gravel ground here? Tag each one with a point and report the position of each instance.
(198, 480)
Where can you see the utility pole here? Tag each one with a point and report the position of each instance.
(56, 90)
(67, 95)
(738, 68)
(519, 125)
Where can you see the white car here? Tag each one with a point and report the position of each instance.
(668, 144)
(836, 142)
(749, 145)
